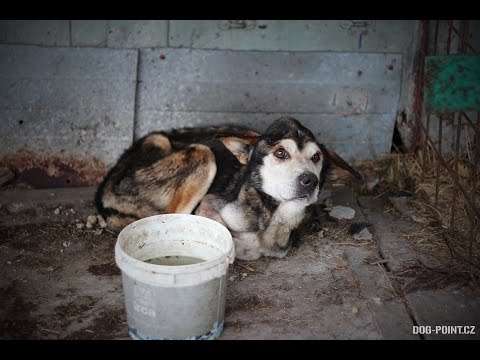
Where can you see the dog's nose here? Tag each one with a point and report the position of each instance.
(308, 180)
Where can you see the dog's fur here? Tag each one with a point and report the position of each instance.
(258, 186)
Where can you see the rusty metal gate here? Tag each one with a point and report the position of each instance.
(446, 137)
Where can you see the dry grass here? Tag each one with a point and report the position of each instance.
(402, 174)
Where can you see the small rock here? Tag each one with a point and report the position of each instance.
(65, 244)
(89, 225)
(9, 263)
(417, 219)
(231, 278)
(356, 227)
(101, 222)
(321, 234)
(377, 300)
(244, 275)
(80, 226)
(92, 219)
(72, 211)
(341, 212)
(98, 231)
(56, 211)
(363, 235)
(354, 310)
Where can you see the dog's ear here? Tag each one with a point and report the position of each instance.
(241, 146)
(337, 167)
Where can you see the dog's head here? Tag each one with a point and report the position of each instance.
(287, 162)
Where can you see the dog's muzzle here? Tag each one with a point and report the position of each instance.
(307, 182)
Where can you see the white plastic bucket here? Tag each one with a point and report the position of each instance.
(174, 302)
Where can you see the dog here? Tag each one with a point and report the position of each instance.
(257, 185)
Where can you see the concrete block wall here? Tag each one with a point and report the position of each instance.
(352, 100)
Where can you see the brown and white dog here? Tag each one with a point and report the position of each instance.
(257, 185)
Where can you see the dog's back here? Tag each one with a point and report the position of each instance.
(149, 177)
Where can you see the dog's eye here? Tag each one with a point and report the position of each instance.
(316, 157)
(281, 153)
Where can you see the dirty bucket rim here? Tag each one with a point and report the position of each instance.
(122, 257)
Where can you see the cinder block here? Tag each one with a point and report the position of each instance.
(294, 35)
(67, 101)
(35, 32)
(89, 33)
(137, 33)
(349, 100)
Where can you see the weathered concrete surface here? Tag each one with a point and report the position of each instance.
(91, 33)
(293, 35)
(137, 33)
(446, 308)
(67, 101)
(349, 100)
(430, 296)
(35, 32)
(390, 230)
(311, 294)
(389, 310)
(61, 282)
(46, 206)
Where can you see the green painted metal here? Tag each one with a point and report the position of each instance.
(452, 83)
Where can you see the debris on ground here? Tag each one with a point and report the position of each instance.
(401, 204)
(56, 211)
(341, 212)
(356, 227)
(363, 235)
(91, 220)
(370, 185)
(101, 222)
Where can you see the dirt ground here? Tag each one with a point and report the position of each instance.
(60, 281)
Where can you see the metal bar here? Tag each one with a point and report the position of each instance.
(449, 39)
(474, 128)
(424, 164)
(435, 38)
(458, 253)
(463, 36)
(439, 154)
(418, 90)
(474, 190)
(455, 171)
(468, 45)
(445, 165)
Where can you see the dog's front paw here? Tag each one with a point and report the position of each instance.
(275, 252)
(247, 246)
